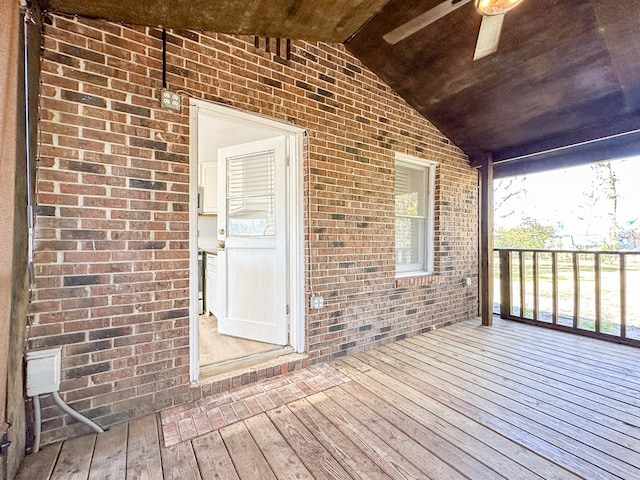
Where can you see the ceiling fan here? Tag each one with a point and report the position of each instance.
(492, 11)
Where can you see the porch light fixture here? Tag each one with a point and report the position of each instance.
(495, 7)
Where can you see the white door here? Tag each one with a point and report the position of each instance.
(252, 241)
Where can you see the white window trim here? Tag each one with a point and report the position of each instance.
(429, 244)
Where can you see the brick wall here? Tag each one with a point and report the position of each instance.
(112, 230)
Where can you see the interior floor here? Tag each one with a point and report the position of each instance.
(216, 348)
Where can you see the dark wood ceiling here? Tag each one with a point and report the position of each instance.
(318, 20)
(566, 71)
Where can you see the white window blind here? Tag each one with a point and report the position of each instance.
(251, 194)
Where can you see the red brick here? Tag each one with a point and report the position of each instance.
(137, 239)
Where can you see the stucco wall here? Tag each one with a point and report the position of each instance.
(112, 250)
(8, 137)
(13, 235)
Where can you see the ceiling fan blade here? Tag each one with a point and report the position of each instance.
(427, 18)
(489, 36)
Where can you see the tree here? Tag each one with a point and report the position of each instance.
(629, 235)
(529, 234)
(604, 190)
(505, 192)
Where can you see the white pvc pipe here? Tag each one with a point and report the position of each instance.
(71, 412)
(37, 423)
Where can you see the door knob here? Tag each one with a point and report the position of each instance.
(221, 244)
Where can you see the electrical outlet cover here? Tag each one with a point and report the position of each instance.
(170, 99)
(317, 302)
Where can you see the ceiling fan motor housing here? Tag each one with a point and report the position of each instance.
(495, 7)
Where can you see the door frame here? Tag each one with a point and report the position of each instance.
(295, 219)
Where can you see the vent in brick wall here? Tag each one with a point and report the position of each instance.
(279, 47)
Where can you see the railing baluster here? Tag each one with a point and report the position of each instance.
(576, 289)
(522, 281)
(535, 286)
(597, 278)
(623, 295)
(505, 284)
(554, 287)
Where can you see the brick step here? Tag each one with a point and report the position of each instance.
(212, 412)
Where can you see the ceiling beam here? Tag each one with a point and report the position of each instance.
(610, 148)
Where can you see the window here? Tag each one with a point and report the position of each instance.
(251, 194)
(414, 198)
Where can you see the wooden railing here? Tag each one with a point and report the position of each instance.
(595, 293)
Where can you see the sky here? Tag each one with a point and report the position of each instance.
(560, 198)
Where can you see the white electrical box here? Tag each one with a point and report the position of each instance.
(43, 371)
(170, 99)
(317, 302)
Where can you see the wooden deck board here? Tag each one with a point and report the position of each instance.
(585, 416)
(316, 458)
(426, 434)
(179, 462)
(74, 459)
(352, 459)
(488, 420)
(587, 346)
(283, 460)
(143, 451)
(41, 464)
(499, 444)
(418, 418)
(596, 435)
(506, 412)
(568, 359)
(383, 443)
(571, 380)
(509, 401)
(247, 458)
(438, 450)
(110, 457)
(213, 458)
(472, 360)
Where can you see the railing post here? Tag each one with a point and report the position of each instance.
(623, 295)
(486, 241)
(523, 273)
(505, 283)
(536, 287)
(598, 287)
(554, 287)
(576, 289)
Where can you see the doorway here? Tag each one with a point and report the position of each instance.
(246, 239)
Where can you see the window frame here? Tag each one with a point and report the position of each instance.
(428, 247)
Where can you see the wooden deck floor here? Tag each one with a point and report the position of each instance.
(512, 401)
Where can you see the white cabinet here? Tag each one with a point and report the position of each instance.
(211, 283)
(209, 184)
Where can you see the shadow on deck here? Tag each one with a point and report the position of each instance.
(512, 401)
